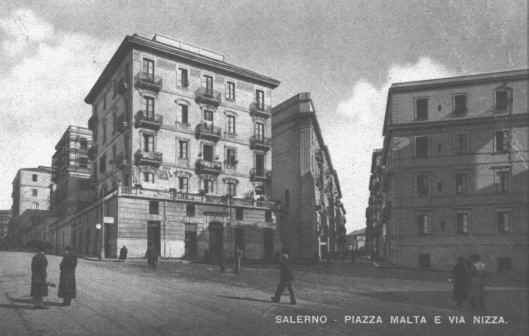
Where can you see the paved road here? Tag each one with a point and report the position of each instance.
(192, 299)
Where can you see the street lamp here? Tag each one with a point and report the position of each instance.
(98, 228)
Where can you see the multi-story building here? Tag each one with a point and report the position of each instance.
(5, 216)
(378, 210)
(456, 150)
(182, 155)
(31, 191)
(71, 172)
(312, 216)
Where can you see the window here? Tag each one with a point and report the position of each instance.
(104, 126)
(231, 188)
(504, 264)
(501, 141)
(208, 80)
(34, 192)
(424, 224)
(149, 107)
(502, 100)
(183, 183)
(208, 115)
(460, 104)
(239, 213)
(209, 186)
(259, 164)
(183, 149)
(154, 207)
(83, 143)
(148, 68)
(230, 91)
(268, 216)
(35, 205)
(231, 157)
(462, 183)
(148, 177)
(462, 222)
(421, 147)
(423, 185)
(502, 180)
(421, 109)
(83, 162)
(503, 219)
(190, 210)
(259, 130)
(207, 152)
(231, 125)
(424, 260)
(184, 79)
(148, 142)
(34, 177)
(259, 99)
(184, 114)
(461, 143)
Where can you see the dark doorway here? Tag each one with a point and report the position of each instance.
(216, 241)
(268, 235)
(424, 260)
(110, 240)
(153, 235)
(190, 244)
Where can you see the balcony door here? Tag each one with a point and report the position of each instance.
(149, 108)
(208, 83)
(259, 131)
(148, 68)
(148, 143)
(208, 152)
(259, 164)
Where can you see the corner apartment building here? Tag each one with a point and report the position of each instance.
(182, 155)
(312, 216)
(71, 172)
(5, 216)
(456, 151)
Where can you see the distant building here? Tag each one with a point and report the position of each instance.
(182, 156)
(31, 189)
(71, 172)
(378, 210)
(456, 152)
(5, 216)
(357, 239)
(312, 217)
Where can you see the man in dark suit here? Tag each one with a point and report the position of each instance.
(67, 290)
(285, 278)
(39, 274)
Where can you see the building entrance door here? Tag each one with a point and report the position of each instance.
(191, 244)
(268, 244)
(153, 235)
(216, 241)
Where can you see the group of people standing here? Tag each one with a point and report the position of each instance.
(40, 283)
(468, 278)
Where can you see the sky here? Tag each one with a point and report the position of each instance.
(345, 52)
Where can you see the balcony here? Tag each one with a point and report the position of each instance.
(142, 120)
(208, 97)
(260, 175)
(206, 131)
(92, 152)
(208, 167)
(148, 81)
(260, 143)
(148, 158)
(260, 111)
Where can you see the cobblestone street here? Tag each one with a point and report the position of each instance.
(195, 299)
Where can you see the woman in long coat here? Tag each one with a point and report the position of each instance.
(67, 290)
(39, 274)
(461, 281)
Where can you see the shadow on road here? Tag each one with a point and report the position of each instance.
(30, 301)
(15, 306)
(245, 298)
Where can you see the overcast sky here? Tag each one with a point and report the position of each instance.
(346, 53)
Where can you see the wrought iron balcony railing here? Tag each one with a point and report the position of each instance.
(148, 81)
(208, 96)
(208, 167)
(207, 131)
(259, 110)
(144, 120)
(259, 142)
(148, 158)
(260, 175)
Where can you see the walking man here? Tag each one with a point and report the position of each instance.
(285, 279)
(67, 289)
(39, 283)
(460, 279)
(477, 286)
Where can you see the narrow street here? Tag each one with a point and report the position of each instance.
(195, 299)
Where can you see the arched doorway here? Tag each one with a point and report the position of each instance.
(216, 241)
